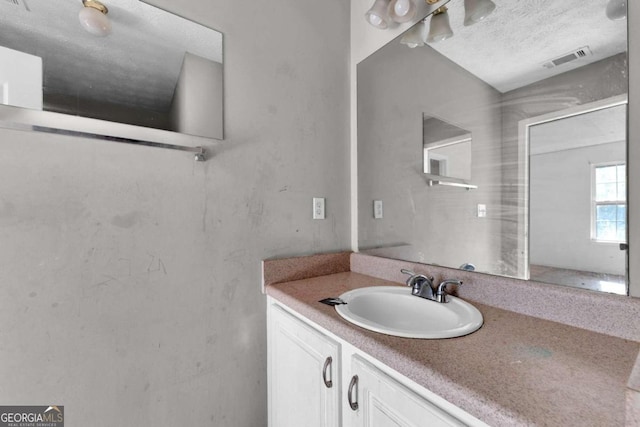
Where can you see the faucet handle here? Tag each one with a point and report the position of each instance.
(416, 281)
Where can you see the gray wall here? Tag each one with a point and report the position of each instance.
(197, 105)
(131, 276)
(560, 205)
(425, 221)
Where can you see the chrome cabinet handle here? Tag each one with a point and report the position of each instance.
(353, 384)
(327, 365)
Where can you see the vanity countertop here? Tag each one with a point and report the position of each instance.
(515, 370)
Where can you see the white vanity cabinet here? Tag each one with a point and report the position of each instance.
(363, 392)
(383, 401)
(304, 379)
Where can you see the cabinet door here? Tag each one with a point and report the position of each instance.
(384, 402)
(304, 380)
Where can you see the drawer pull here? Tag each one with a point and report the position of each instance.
(353, 384)
(327, 366)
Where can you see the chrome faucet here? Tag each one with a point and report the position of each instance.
(440, 295)
(421, 285)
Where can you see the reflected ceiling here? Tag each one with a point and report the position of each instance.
(504, 52)
(595, 128)
(138, 63)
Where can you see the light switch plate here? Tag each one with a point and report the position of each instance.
(318, 208)
(377, 209)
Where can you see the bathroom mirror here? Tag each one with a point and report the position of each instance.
(543, 91)
(446, 149)
(153, 70)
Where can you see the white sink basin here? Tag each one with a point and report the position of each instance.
(392, 310)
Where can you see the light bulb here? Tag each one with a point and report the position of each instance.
(378, 15)
(93, 20)
(401, 8)
(375, 20)
(402, 11)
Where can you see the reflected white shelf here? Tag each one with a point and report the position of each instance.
(433, 182)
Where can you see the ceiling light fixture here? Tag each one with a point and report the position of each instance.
(616, 9)
(378, 15)
(476, 10)
(440, 29)
(93, 18)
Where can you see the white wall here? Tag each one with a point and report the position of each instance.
(20, 79)
(131, 276)
(560, 205)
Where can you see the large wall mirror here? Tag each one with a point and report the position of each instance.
(541, 92)
(145, 69)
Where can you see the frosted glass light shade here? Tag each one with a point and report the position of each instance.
(378, 15)
(415, 36)
(402, 10)
(476, 10)
(94, 21)
(616, 9)
(440, 29)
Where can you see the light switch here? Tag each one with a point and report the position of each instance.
(318, 208)
(377, 209)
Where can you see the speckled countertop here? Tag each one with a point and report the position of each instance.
(515, 370)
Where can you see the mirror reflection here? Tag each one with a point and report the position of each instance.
(542, 89)
(447, 149)
(577, 190)
(121, 61)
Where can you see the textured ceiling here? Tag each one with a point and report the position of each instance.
(508, 49)
(137, 64)
(594, 128)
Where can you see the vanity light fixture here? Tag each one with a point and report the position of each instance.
(378, 15)
(414, 37)
(383, 12)
(616, 9)
(440, 29)
(93, 18)
(476, 10)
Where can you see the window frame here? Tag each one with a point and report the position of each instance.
(595, 204)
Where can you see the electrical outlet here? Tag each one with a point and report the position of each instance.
(482, 211)
(377, 209)
(318, 208)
